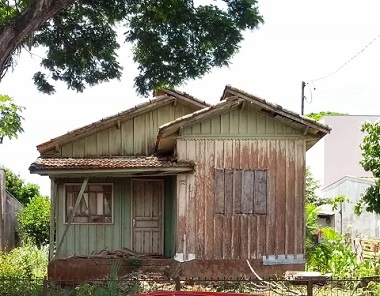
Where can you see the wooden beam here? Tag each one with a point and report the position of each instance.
(72, 214)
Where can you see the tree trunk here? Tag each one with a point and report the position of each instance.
(14, 34)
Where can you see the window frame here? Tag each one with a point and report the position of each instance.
(88, 184)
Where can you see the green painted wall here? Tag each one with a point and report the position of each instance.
(87, 239)
(135, 136)
(170, 216)
(245, 122)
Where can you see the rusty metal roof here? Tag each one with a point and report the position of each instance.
(100, 163)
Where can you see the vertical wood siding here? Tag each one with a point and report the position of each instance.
(240, 122)
(135, 136)
(209, 235)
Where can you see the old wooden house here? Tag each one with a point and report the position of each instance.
(204, 186)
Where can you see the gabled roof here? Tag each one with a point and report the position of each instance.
(358, 180)
(232, 98)
(277, 111)
(162, 97)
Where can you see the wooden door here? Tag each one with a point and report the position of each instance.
(147, 216)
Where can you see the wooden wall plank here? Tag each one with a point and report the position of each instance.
(228, 191)
(262, 163)
(236, 237)
(181, 212)
(103, 143)
(218, 236)
(227, 237)
(209, 198)
(139, 138)
(91, 145)
(237, 191)
(67, 150)
(290, 210)
(260, 192)
(200, 206)
(127, 137)
(281, 196)
(271, 221)
(215, 125)
(247, 192)
(78, 148)
(244, 239)
(192, 191)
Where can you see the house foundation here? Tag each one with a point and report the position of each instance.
(76, 270)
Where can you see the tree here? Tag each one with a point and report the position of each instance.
(10, 118)
(173, 40)
(371, 163)
(17, 187)
(34, 220)
(311, 187)
(318, 116)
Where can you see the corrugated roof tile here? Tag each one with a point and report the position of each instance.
(106, 163)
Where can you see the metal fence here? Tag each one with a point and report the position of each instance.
(34, 287)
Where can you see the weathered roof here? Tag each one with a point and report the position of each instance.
(163, 97)
(231, 98)
(50, 165)
(276, 110)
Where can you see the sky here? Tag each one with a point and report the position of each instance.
(301, 40)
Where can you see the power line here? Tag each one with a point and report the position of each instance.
(354, 57)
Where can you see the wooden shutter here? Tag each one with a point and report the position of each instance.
(260, 192)
(219, 192)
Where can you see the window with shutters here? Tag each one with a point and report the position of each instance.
(95, 206)
(240, 192)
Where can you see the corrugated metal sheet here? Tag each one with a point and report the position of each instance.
(209, 235)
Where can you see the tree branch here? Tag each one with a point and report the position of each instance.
(14, 34)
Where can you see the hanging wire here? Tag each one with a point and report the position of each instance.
(309, 101)
(345, 64)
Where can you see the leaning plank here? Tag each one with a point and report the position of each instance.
(72, 214)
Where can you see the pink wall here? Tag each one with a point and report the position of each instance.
(342, 152)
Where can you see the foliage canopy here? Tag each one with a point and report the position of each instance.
(34, 220)
(318, 116)
(10, 118)
(17, 187)
(371, 163)
(173, 40)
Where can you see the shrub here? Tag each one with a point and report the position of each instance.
(27, 261)
(34, 220)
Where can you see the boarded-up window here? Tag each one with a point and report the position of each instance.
(240, 192)
(95, 205)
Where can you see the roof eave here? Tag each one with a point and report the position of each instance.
(111, 172)
(308, 122)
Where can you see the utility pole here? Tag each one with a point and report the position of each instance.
(303, 97)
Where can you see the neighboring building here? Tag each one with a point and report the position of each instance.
(10, 206)
(346, 222)
(208, 186)
(339, 154)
